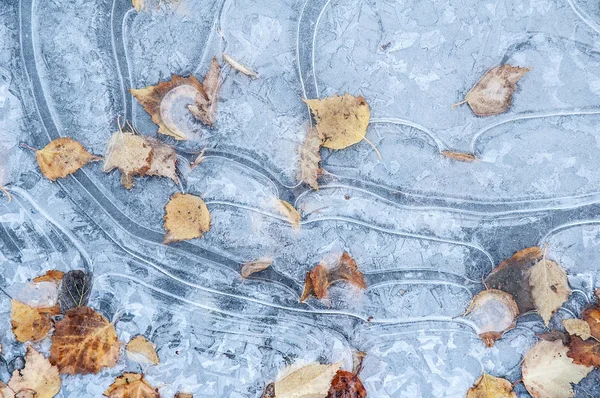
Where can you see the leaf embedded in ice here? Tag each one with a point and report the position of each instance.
(493, 312)
(341, 120)
(577, 327)
(205, 108)
(164, 160)
(460, 156)
(488, 386)
(584, 352)
(186, 217)
(138, 4)
(549, 287)
(52, 275)
(130, 153)
(592, 316)
(183, 395)
(239, 66)
(346, 385)
(288, 210)
(310, 158)
(322, 276)
(131, 385)
(38, 376)
(75, 289)
(139, 349)
(316, 283)
(257, 265)
(28, 324)
(548, 372)
(61, 157)
(6, 391)
(310, 381)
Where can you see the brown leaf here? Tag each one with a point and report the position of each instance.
(257, 265)
(549, 287)
(139, 349)
(38, 376)
(492, 94)
(584, 352)
(577, 327)
(130, 153)
(6, 391)
(84, 342)
(131, 385)
(341, 121)
(28, 324)
(488, 386)
(287, 210)
(186, 217)
(61, 157)
(310, 381)
(460, 156)
(512, 276)
(183, 395)
(592, 316)
(548, 372)
(239, 67)
(52, 275)
(554, 335)
(164, 160)
(493, 312)
(310, 159)
(346, 385)
(322, 276)
(205, 108)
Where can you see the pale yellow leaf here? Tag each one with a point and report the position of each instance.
(549, 287)
(287, 210)
(577, 327)
(139, 349)
(257, 265)
(310, 158)
(310, 381)
(493, 312)
(38, 376)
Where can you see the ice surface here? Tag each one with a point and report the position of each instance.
(423, 229)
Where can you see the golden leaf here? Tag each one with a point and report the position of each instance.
(460, 156)
(549, 287)
(310, 381)
(341, 121)
(27, 322)
(84, 342)
(205, 108)
(239, 67)
(186, 217)
(61, 157)
(488, 386)
(257, 265)
(139, 349)
(130, 153)
(164, 160)
(131, 385)
(577, 327)
(138, 4)
(310, 158)
(493, 312)
(288, 210)
(38, 376)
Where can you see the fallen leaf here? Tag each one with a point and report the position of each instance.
(597, 294)
(199, 159)
(131, 385)
(341, 121)
(52, 275)
(584, 352)
(138, 4)
(321, 277)
(42, 296)
(186, 217)
(164, 160)
(346, 385)
(6, 391)
(205, 108)
(592, 316)
(310, 381)
(139, 349)
(61, 157)
(492, 94)
(84, 342)
(460, 156)
(554, 335)
(549, 287)
(75, 289)
(38, 376)
(287, 210)
(493, 312)
(548, 372)
(488, 386)
(257, 265)
(577, 327)
(239, 67)
(27, 322)
(130, 153)
(316, 283)
(183, 395)
(310, 159)
(512, 276)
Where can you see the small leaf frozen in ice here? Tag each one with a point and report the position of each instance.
(239, 66)
(140, 349)
(310, 158)
(257, 265)
(39, 376)
(549, 287)
(488, 386)
(493, 312)
(322, 276)
(346, 385)
(75, 289)
(186, 217)
(61, 157)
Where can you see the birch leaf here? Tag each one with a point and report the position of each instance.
(493, 312)
(131, 385)
(346, 385)
(130, 153)
(38, 376)
(205, 108)
(310, 159)
(61, 157)
(488, 386)
(310, 381)
(27, 322)
(287, 210)
(257, 265)
(75, 289)
(164, 160)
(139, 349)
(549, 287)
(186, 217)
(577, 327)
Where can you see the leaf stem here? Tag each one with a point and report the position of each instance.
(374, 147)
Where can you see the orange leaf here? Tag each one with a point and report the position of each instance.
(592, 316)
(584, 352)
(257, 265)
(186, 217)
(205, 108)
(321, 277)
(346, 385)
(488, 386)
(61, 157)
(52, 275)
(131, 385)
(27, 322)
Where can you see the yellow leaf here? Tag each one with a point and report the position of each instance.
(186, 217)
(138, 4)
(130, 153)
(131, 385)
(287, 210)
(139, 349)
(38, 376)
(493, 312)
(577, 327)
(61, 157)
(310, 381)
(549, 287)
(488, 386)
(164, 160)
(27, 322)
(257, 265)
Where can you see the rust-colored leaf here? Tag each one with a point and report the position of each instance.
(592, 316)
(186, 217)
(61, 157)
(584, 352)
(183, 395)
(310, 159)
(346, 385)
(130, 153)
(28, 324)
(52, 275)
(493, 312)
(205, 108)
(488, 386)
(38, 377)
(323, 276)
(139, 349)
(257, 265)
(84, 342)
(460, 156)
(131, 385)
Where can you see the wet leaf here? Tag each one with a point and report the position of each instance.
(164, 160)
(239, 66)
(205, 108)
(28, 324)
(139, 349)
(84, 342)
(549, 287)
(130, 153)
(492, 94)
(346, 385)
(460, 156)
(577, 327)
(131, 385)
(257, 265)
(341, 121)
(310, 381)
(584, 352)
(548, 372)
(75, 289)
(512, 276)
(323, 276)
(592, 316)
(38, 376)
(310, 159)
(488, 386)
(288, 210)
(493, 312)
(61, 157)
(186, 217)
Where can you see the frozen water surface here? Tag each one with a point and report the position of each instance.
(424, 230)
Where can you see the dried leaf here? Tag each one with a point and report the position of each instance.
(38, 376)
(548, 372)
(512, 276)
(239, 67)
(61, 157)
(199, 159)
(554, 335)
(139, 349)
(310, 381)
(577, 327)
(84, 342)
(138, 4)
(75, 289)
(592, 316)
(255, 266)
(492, 94)
(186, 217)
(493, 312)
(346, 385)
(341, 121)
(488, 386)
(42, 296)
(310, 159)
(316, 283)
(164, 160)
(6, 391)
(130, 153)
(549, 287)
(584, 352)
(205, 108)
(27, 322)
(460, 156)
(131, 385)
(287, 210)
(183, 395)
(322, 277)
(52, 275)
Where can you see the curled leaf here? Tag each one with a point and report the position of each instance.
(460, 156)
(130, 153)
(61, 157)
(257, 265)
(239, 66)
(131, 385)
(493, 312)
(346, 385)
(322, 277)
(186, 217)
(584, 352)
(289, 211)
(38, 377)
(577, 327)
(549, 287)
(488, 386)
(139, 349)
(205, 108)
(28, 324)
(75, 289)
(310, 159)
